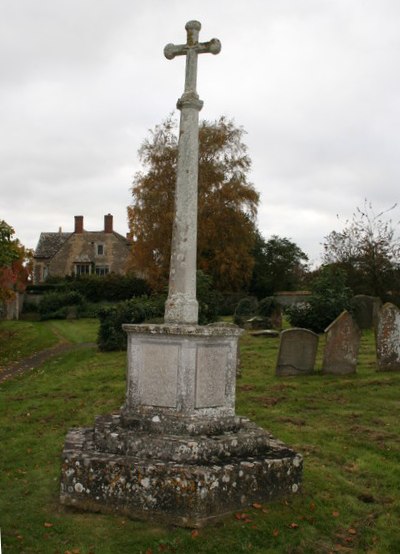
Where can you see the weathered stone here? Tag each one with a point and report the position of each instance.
(388, 338)
(342, 345)
(184, 369)
(297, 352)
(177, 452)
(183, 481)
(181, 305)
(366, 309)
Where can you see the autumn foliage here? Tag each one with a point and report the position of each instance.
(14, 269)
(227, 205)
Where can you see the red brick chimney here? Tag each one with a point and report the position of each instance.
(108, 223)
(78, 224)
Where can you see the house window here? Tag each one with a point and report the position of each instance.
(101, 270)
(100, 249)
(82, 269)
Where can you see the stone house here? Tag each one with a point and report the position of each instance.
(81, 252)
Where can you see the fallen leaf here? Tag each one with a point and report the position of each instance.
(275, 532)
(240, 516)
(293, 525)
(336, 514)
(76, 551)
(352, 531)
(257, 506)
(149, 551)
(265, 511)
(194, 533)
(48, 525)
(247, 520)
(312, 506)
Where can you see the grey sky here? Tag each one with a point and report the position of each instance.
(315, 83)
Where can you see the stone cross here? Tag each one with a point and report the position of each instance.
(181, 306)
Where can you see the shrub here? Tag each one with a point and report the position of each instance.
(267, 306)
(329, 297)
(54, 305)
(229, 302)
(111, 288)
(111, 336)
(246, 307)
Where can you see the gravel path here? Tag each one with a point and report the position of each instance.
(36, 360)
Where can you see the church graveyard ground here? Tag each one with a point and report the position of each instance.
(346, 426)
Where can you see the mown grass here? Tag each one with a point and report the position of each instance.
(347, 428)
(19, 339)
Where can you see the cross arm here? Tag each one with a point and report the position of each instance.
(213, 46)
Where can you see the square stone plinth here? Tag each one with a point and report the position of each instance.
(177, 452)
(182, 480)
(184, 369)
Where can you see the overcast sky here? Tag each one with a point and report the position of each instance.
(315, 84)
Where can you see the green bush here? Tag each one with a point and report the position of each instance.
(111, 288)
(329, 297)
(96, 288)
(267, 306)
(247, 307)
(54, 305)
(229, 302)
(111, 335)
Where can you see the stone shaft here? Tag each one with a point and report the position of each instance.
(181, 306)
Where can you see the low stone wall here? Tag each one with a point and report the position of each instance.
(289, 298)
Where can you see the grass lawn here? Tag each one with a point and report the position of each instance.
(346, 427)
(19, 339)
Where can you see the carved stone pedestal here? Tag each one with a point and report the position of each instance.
(176, 452)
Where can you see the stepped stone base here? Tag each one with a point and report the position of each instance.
(186, 479)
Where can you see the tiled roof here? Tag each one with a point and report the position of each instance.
(50, 243)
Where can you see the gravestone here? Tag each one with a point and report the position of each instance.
(176, 451)
(297, 352)
(388, 338)
(366, 309)
(341, 346)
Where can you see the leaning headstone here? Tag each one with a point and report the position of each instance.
(388, 338)
(176, 451)
(365, 309)
(297, 352)
(342, 345)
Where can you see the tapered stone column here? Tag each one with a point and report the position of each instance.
(181, 306)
